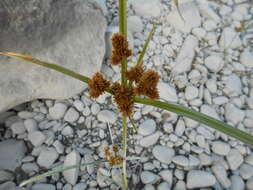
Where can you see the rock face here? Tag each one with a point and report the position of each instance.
(65, 32)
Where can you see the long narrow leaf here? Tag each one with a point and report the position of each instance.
(202, 118)
(50, 173)
(144, 49)
(47, 65)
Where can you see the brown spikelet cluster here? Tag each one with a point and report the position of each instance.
(113, 158)
(147, 84)
(135, 73)
(119, 49)
(98, 85)
(124, 98)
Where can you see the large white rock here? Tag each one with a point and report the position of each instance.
(163, 154)
(198, 179)
(65, 32)
(71, 159)
(167, 92)
(191, 17)
(186, 55)
(11, 154)
(147, 7)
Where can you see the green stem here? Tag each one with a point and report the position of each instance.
(202, 118)
(36, 178)
(123, 31)
(124, 147)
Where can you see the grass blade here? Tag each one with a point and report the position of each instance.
(47, 65)
(144, 49)
(202, 118)
(33, 179)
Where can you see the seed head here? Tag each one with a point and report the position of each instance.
(119, 49)
(147, 85)
(123, 96)
(135, 73)
(98, 85)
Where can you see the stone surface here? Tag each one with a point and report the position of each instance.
(191, 92)
(234, 114)
(11, 154)
(72, 159)
(214, 63)
(47, 157)
(220, 148)
(143, 7)
(233, 86)
(237, 183)
(147, 127)
(198, 179)
(191, 17)
(234, 159)
(229, 39)
(71, 115)
(43, 187)
(107, 116)
(186, 55)
(246, 58)
(163, 154)
(36, 138)
(221, 175)
(5, 176)
(149, 140)
(57, 111)
(148, 177)
(167, 92)
(62, 33)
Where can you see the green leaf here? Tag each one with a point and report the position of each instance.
(47, 65)
(144, 49)
(33, 179)
(202, 118)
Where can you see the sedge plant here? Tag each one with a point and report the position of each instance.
(135, 83)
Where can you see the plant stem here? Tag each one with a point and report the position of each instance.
(202, 118)
(35, 178)
(123, 31)
(124, 147)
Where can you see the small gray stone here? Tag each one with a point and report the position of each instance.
(233, 86)
(234, 114)
(37, 138)
(229, 39)
(18, 128)
(167, 176)
(150, 140)
(191, 92)
(234, 159)
(79, 105)
(30, 168)
(214, 63)
(47, 157)
(181, 161)
(167, 92)
(107, 116)
(72, 159)
(43, 187)
(180, 128)
(220, 148)
(164, 186)
(135, 24)
(221, 175)
(11, 154)
(57, 111)
(246, 58)
(163, 154)
(237, 183)
(147, 127)
(198, 179)
(148, 177)
(6, 176)
(143, 7)
(95, 109)
(246, 171)
(31, 125)
(80, 186)
(71, 115)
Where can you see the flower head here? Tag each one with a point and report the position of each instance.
(98, 85)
